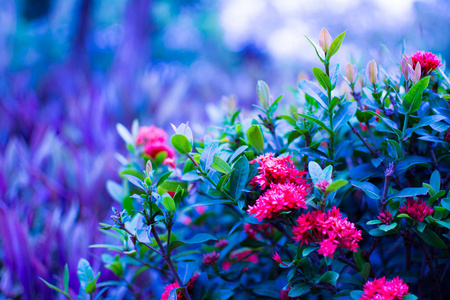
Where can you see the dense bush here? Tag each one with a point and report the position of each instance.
(343, 195)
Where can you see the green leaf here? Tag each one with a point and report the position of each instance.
(163, 178)
(255, 138)
(413, 98)
(267, 292)
(409, 192)
(356, 295)
(378, 232)
(322, 78)
(181, 144)
(236, 153)
(85, 273)
(330, 277)
(374, 222)
(315, 48)
(314, 92)
(116, 267)
(66, 278)
(410, 297)
(316, 172)
(410, 161)
(173, 294)
(431, 238)
(421, 226)
(386, 228)
(435, 180)
(207, 156)
(115, 190)
(318, 122)
(395, 150)
(136, 181)
(220, 165)
(436, 196)
(55, 288)
(124, 134)
(365, 271)
(299, 289)
(335, 185)
(368, 188)
(308, 250)
(335, 45)
(186, 270)
(200, 238)
(334, 74)
(426, 121)
(169, 204)
(262, 89)
(344, 114)
(239, 177)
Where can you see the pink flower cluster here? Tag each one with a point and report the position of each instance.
(210, 258)
(258, 231)
(280, 197)
(385, 217)
(329, 230)
(279, 169)
(180, 296)
(154, 141)
(221, 244)
(428, 62)
(416, 209)
(382, 289)
(287, 190)
(284, 294)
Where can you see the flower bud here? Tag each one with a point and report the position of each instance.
(372, 72)
(351, 72)
(325, 40)
(149, 168)
(417, 73)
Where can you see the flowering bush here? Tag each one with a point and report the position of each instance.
(343, 195)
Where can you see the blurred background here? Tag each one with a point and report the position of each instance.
(71, 69)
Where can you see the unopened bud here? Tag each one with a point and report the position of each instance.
(325, 40)
(417, 73)
(149, 168)
(372, 72)
(351, 72)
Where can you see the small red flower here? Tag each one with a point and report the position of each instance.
(428, 62)
(329, 230)
(154, 141)
(180, 296)
(277, 258)
(210, 258)
(322, 185)
(363, 126)
(279, 198)
(279, 169)
(416, 209)
(382, 289)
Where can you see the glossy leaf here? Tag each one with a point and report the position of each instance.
(238, 178)
(181, 144)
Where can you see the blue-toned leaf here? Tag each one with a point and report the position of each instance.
(207, 156)
(239, 176)
(368, 188)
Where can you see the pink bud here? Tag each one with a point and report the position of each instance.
(277, 258)
(325, 40)
(417, 73)
(351, 72)
(372, 72)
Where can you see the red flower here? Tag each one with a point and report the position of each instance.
(279, 198)
(382, 289)
(210, 258)
(416, 209)
(154, 149)
(180, 296)
(277, 258)
(322, 185)
(284, 294)
(151, 135)
(329, 230)
(385, 217)
(428, 62)
(279, 169)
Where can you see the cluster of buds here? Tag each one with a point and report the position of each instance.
(210, 258)
(447, 136)
(322, 185)
(221, 244)
(419, 65)
(385, 217)
(117, 217)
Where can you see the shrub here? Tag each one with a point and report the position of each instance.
(343, 195)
